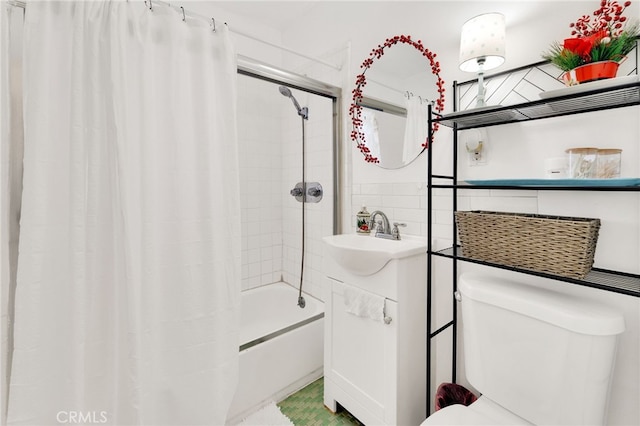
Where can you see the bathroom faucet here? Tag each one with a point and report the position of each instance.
(382, 227)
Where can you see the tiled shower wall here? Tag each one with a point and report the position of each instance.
(270, 151)
(259, 130)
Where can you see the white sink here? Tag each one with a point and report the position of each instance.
(366, 254)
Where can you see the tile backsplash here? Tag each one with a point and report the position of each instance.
(401, 202)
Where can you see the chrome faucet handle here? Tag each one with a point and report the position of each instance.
(395, 232)
(314, 191)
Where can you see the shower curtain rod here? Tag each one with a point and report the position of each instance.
(185, 12)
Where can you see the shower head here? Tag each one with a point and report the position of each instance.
(302, 112)
(285, 91)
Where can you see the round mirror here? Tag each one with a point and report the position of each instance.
(390, 118)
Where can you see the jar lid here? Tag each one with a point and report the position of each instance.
(609, 151)
(581, 150)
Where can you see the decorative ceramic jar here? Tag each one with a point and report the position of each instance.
(362, 221)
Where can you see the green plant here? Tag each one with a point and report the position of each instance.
(605, 35)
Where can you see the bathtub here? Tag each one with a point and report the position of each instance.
(281, 347)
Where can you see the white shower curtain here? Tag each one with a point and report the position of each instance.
(127, 299)
(10, 178)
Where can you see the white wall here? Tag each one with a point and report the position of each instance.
(531, 27)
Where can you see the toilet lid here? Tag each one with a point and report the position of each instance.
(481, 412)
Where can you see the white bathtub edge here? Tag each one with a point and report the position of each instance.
(278, 367)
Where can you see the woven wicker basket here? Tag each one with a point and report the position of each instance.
(558, 245)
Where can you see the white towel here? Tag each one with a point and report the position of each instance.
(363, 304)
(416, 129)
(371, 133)
(267, 416)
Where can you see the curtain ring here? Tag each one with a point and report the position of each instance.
(150, 5)
(213, 20)
(184, 18)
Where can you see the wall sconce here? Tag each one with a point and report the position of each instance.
(482, 46)
(475, 142)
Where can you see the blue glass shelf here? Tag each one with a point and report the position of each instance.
(617, 182)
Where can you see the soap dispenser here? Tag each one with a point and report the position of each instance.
(363, 219)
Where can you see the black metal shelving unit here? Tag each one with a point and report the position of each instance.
(621, 96)
(603, 279)
(586, 101)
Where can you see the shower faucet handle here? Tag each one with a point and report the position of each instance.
(297, 191)
(315, 191)
(307, 192)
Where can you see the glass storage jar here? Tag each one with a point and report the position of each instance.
(582, 162)
(608, 163)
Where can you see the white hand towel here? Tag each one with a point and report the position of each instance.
(363, 304)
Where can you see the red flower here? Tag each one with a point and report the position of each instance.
(582, 45)
(579, 46)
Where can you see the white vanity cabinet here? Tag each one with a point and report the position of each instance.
(376, 369)
(360, 360)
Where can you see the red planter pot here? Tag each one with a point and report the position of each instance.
(591, 72)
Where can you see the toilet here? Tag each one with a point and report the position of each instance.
(537, 356)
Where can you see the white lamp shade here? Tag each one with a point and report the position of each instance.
(483, 37)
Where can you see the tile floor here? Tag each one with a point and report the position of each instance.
(306, 408)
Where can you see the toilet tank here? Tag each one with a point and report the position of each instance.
(546, 356)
